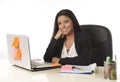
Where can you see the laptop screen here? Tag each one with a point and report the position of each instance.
(18, 50)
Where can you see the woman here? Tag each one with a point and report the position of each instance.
(69, 43)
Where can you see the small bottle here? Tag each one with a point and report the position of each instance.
(107, 67)
(108, 59)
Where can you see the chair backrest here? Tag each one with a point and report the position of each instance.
(101, 42)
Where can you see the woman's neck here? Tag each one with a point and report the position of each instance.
(70, 37)
(69, 42)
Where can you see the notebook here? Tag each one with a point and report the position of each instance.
(77, 69)
(19, 54)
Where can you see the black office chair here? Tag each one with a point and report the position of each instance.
(101, 42)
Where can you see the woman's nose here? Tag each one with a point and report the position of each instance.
(63, 25)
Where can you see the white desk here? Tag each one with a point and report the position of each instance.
(10, 73)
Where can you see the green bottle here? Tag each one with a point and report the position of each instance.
(108, 59)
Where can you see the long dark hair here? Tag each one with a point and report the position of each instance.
(71, 15)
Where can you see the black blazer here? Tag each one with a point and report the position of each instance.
(83, 48)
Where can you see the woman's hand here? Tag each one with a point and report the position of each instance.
(55, 60)
(58, 35)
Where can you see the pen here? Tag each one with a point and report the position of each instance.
(78, 68)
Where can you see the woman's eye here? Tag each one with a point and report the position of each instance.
(66, 21)
(59, 23)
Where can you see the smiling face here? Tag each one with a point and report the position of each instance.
(65, 24)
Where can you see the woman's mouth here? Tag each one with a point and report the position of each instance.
(64, 30)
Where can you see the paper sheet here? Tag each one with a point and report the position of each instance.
(76, 69)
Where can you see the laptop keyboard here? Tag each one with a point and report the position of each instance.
(39, 64)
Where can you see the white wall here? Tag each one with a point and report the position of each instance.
(35, 18)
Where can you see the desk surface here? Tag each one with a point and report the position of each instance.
(10, 73)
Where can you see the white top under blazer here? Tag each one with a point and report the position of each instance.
(72, 52)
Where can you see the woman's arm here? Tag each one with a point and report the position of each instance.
(70, 60)
(53, 50)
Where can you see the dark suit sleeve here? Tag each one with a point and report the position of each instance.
(84, 49)
(53, 50)
(70, 60)
(87, 51)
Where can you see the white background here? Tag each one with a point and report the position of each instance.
(35, 18)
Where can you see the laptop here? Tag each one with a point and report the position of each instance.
(19, 54)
